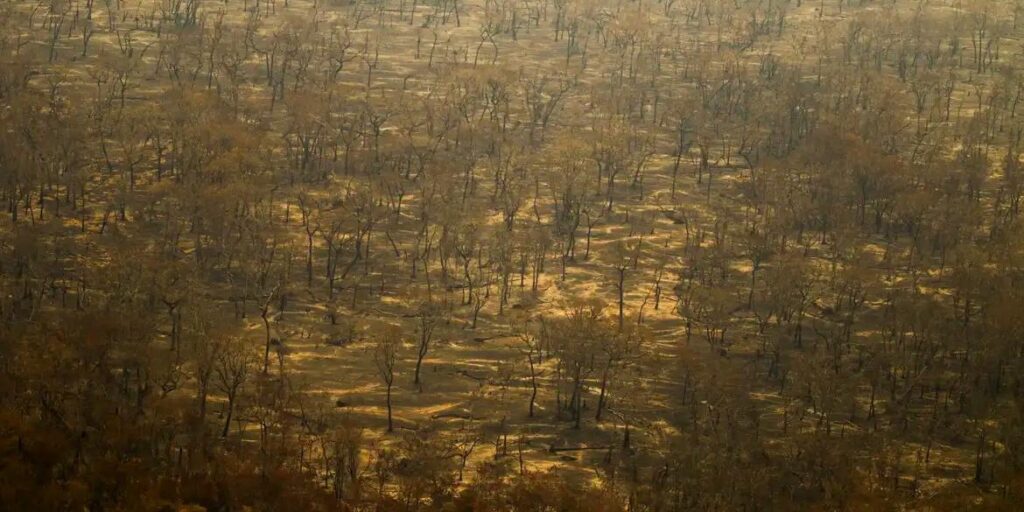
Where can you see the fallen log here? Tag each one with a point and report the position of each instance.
(456, 415)
(555, 449)
(466, 373)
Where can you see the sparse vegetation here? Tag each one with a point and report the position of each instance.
(581, 255)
